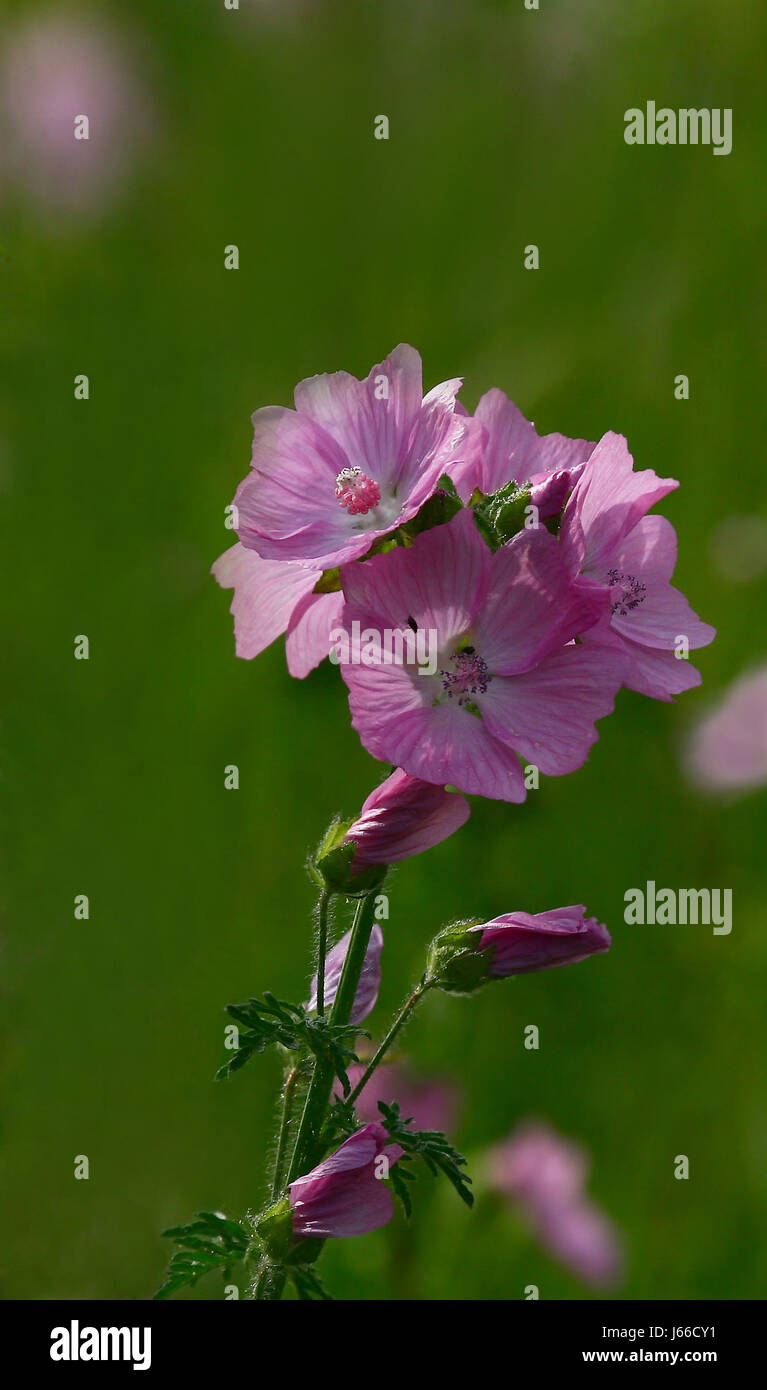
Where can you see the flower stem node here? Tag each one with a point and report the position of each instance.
(453, 963)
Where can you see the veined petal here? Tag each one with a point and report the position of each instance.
(266, 593)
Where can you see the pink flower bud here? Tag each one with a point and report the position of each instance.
(524, 941)
(345, 1195)
(370, 979)
(403, 817)
(550, 493)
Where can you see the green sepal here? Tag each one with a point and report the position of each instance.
(441, 507)
(275, 1229)
(453, 963)
(331, 865)
(502, 515)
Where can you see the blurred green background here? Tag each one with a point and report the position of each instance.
(506, 129)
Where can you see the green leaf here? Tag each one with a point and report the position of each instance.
(211, 1241)
(432, 1146)
(309, 1286)
(269, 1021)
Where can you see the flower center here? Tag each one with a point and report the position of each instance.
(356, 492)
(470, 677)
(632, 592)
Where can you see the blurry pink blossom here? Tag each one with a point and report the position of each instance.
(72, 112)
(544, 1176)
(431, 1102)
(727, 751)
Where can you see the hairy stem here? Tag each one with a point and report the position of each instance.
(288, 1096)
(321, 1085)
(270, 1282)
(399, 1022)
(322, 948)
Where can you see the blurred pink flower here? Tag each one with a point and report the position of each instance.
(727, 751)
(56, 70)
(544, 1176)
(431, 1102)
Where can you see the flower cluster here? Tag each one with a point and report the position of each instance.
(373, 513)
(486, 591)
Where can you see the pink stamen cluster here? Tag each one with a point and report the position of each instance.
(356, 492)
(471, 676)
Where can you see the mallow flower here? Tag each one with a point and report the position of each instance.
(509, 450)
(507, 679)
(609, 540)
(345, 1195)
(467, 954)
(352, 462)
(370, 979)
(544, 1176)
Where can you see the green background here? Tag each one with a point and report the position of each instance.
(506, 129)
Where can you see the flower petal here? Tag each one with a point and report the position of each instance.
(266, 593)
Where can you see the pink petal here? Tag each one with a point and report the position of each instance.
(266, 592)
(441, 582)
(308, 639)
(373, 432)
(513, 450)
(548, 714)
(608, 501)
(532, 606)
(441, 744)
(287, 504)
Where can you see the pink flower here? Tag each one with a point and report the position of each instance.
(544, 1176)
(522, 941)
(402, 817)
(275, 596)
(509, 680)
(345, 1194)
(431, 1104)
(510, 451)
(727, 751)
(56, 71)
(351, 463)
(370, 979)
(609, 540)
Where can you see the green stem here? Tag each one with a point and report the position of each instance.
(399, 1023)
(270, 1282)
(321, 1085)
(288, 1095)
(322, 949)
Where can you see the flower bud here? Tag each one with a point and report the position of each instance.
(401, 817)
(370, 979)
(467, 954)
(345, 1195)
